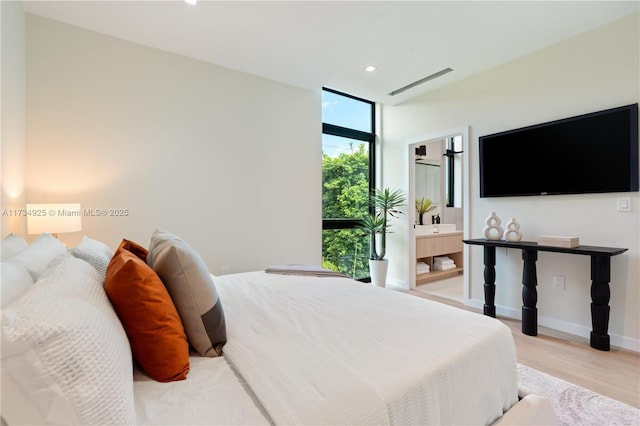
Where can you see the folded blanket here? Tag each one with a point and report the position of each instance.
(303, 269)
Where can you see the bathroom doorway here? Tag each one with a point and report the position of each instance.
(438, 170)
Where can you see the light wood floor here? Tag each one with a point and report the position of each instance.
(615, 373)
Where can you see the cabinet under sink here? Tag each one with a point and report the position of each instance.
(430, 246)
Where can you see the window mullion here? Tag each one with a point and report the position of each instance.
(332, 129)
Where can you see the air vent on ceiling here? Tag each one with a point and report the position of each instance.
(422, 80)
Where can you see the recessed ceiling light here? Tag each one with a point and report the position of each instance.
(370, 68)
(191, 1)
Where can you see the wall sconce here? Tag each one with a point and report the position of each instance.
(54, 218)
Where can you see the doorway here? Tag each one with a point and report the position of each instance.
(447, 148)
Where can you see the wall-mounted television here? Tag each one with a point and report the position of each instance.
(590, 153)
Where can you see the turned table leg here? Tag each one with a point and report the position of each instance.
(489, 281)
(529, 293)
(600, 295)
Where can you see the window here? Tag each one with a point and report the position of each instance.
(348, 159)
(453, 172)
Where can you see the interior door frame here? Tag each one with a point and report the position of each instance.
(411, 168)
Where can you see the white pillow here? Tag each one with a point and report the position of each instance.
(14, 281)
(94, 252)
(11, 245)
(39, 254)
(65, 354)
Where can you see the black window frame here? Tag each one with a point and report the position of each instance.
(450, 194)
(450, 153)
(370, 138)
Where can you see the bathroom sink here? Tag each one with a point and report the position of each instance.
(435, 229)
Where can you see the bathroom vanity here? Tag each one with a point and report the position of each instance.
(433, 241)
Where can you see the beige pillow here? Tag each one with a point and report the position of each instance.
(191, 287)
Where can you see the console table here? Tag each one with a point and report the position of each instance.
(600, 277)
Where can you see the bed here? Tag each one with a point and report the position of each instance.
(299, 350)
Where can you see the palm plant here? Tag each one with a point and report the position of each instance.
(423, 205)
(385, 205)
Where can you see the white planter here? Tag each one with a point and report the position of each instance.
(378, 271)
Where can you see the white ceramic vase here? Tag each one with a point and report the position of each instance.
(512, 233)
(493, 230)
(378, 271)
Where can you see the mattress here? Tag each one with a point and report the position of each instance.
(311, 350)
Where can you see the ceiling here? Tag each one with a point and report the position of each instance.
(312, 44)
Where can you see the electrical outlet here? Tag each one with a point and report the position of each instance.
(559, 282)
(224, 270)
(624, 204)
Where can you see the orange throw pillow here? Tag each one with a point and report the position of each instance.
(148, 315)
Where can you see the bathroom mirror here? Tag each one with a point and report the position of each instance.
(428, 180)
(428, 176)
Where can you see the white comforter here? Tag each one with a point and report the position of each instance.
(334, 351)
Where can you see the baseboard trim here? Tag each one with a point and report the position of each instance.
(400, 284)
(617, 340)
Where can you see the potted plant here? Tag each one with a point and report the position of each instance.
(423, 205)
(385, 205)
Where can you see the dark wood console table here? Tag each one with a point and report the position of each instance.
(600, 277)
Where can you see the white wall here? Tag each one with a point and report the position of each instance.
(13, 138)
(590, 72)
(228, 161)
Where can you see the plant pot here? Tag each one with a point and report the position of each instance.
(378, 271)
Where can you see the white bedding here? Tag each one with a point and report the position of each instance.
(331, 350)
(213, 394)
(301, 350)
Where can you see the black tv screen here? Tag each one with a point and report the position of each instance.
(590, 153)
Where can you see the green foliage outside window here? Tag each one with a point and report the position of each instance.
(345, 180)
